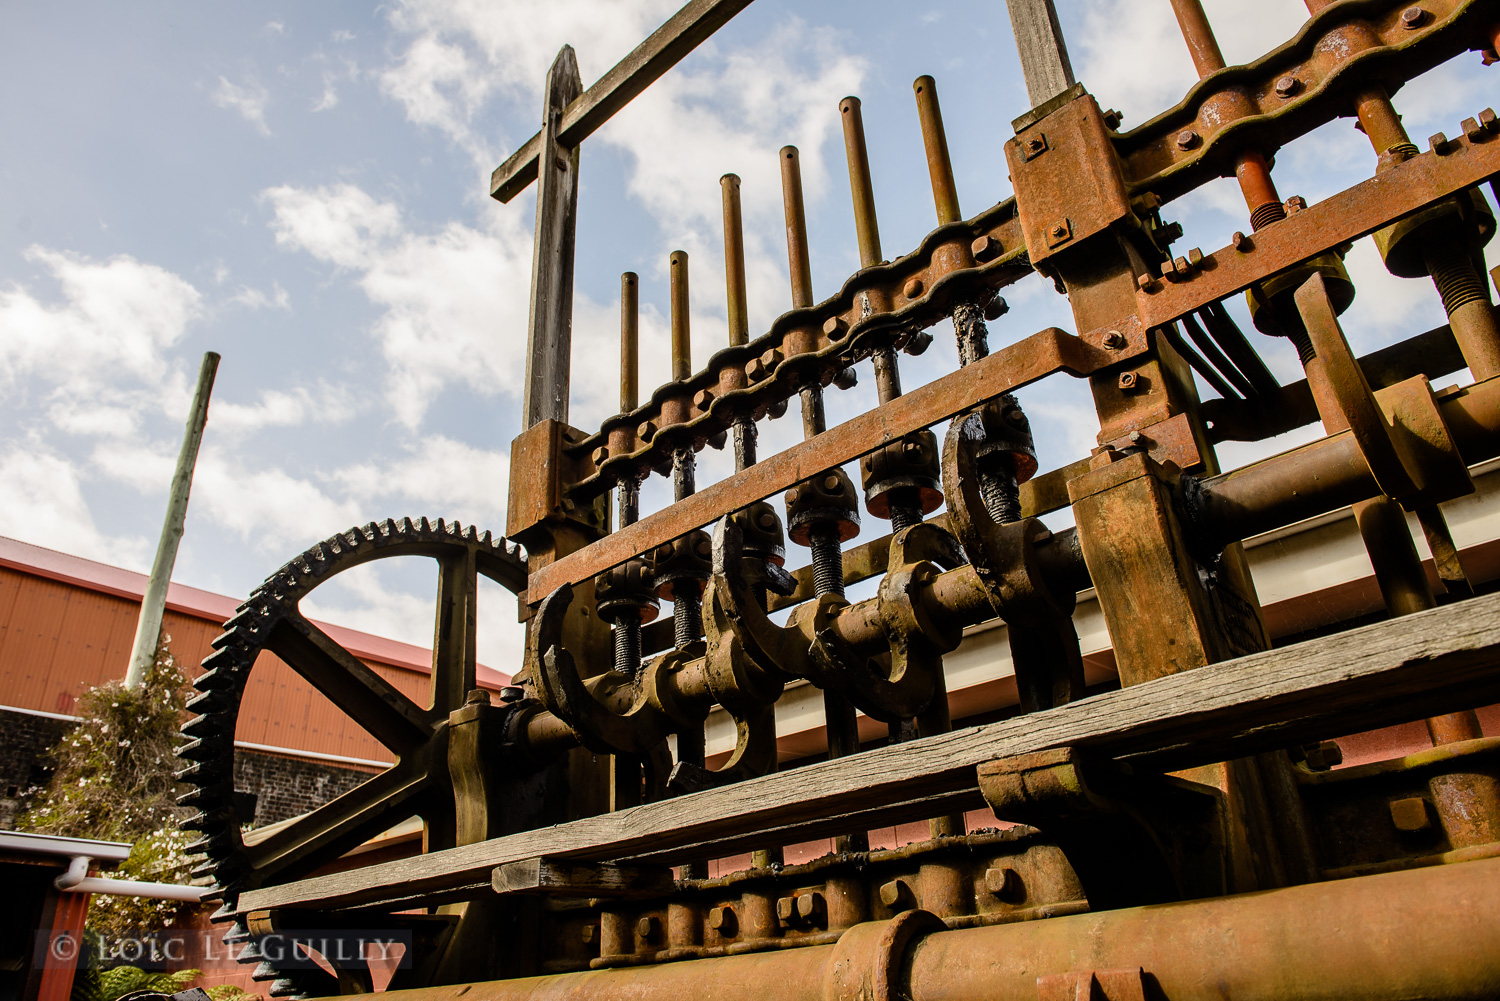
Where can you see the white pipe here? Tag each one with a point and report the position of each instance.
(78, 880)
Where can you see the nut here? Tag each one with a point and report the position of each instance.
(984, 247)
(1187, 139)
(847, 378)
(478, 697)
(1195, 257)
(912, 288)
(1128, 381)
(703, 399)
(601, 454)
(723, 920)
(1296, 203)
(1112, 120)
(1287, 86)
(1413, 17)
(1410, 814)
(1005, 883)
(835, 327)
(646, 431)
(1114, 340)
(512, 693)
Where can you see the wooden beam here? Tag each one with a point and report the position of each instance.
(664, 49)
(1044, 53)
(549, 345)
(1391, 672)
(582, 879)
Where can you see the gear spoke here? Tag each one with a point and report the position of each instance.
(367, 698)
(453, 643)
(338, 825)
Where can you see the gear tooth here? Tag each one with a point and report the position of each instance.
(487, 540)
(204, 798)
(287, 988)
(215, 846)
(200, 727)
(473, 534)
(220, 657)
(224, 913)
(405, 526)
(424, 526)
(208, 702)
(212, 748)
(371, 531)
(251, 952)
(265, 971)
(441, 527)
(237, 932)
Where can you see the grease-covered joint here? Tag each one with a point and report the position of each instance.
(681, 567)
(911, 464)
(625, 591)
(760, 528)
(826, 498)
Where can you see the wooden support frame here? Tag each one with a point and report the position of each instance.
(1378, 675)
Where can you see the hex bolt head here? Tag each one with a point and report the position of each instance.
(897, 895)
(811, 907)
(786, 910)
(996, 308)
(1413, 17)
(588, 934)
(647, 927)
(835, 327)
(1005, 883)
(1487, 119)
(703, 399)
(984, 247)
(1187, 139)
(1287, 86)
(1242, 243)
(1410, 814)
(646, 431)
(756, 370)
(1128, 381)
(478, 697)
(723, 920)
(1296, 203)
(512, 693)
(912, 288)
(1195, 257)
(1114, 340)
(601, 454)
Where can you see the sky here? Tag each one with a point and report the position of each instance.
(303, 188)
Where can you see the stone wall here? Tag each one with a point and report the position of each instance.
(24, 740)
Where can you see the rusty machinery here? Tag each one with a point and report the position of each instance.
(1178, 835)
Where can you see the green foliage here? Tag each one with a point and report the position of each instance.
(111, 985)
(113, 781)
(231, 992)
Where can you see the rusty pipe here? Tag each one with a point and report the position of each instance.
(734, 261)
(860, 186)
(1431, 933)
(935, 140)
(798, 261)
(682, 344)
(630, 342)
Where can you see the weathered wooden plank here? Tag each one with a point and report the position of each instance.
(582, 879)
(1391, 672)
(665, 48)
(1044, 54)
(549, 346)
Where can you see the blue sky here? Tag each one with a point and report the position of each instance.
(303, 188)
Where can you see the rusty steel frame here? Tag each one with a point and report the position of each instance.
(1199, 786)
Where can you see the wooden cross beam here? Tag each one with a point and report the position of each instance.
(617, 88)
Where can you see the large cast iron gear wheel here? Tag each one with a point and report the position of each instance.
(417, 784)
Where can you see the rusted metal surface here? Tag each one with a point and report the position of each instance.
(552, 815)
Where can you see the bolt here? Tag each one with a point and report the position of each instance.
(722, 919)
(646, 431)
(811, 908)
(1242, 243)
(847, 378)
(767, 520)
(1182, 267)
(1114, 340)
(1472, 130)
(601, 454)
(1004, 882)
(830, 483)
(914, 451)
(912, 288)
(984, 247)
(1112, 120)
(896, 895)
(835, 327)
(512, 693)
(771, 357)
(996, 307)
(588, 933)
(1487, 119)
(1146, 283)
(1058, 231)
(1127, 381)
(1296, 203)
(1187, 139)
(1035, 145)
(1439, 144)
(918, 342)
(1410, 814)
(1195, 257)
(703, 399)
(1413, 17)
(1287, 86)
(786, 910)
(646, 927)
(792, 495)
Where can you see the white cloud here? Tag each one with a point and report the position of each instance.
(340, 224)
(42, 495)
(248, 100)
(256, 299)
(438, 477)
(330, 98)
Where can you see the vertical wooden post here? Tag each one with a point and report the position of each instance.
(148, 626)
(64, 941)
(550, 340)
(1044, 54)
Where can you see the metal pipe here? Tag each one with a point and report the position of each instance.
(1431, 932)
(939, 166)
(860, 186)
(682, 345)
(77, 880)
(800, 265)
(734, 261)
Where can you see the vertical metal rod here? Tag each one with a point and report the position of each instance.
(154, 602)
(550, 326)
(682, 346)
(866, 229)
(629, 490)
(737, 305)
(939, 166)
(799, 264)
